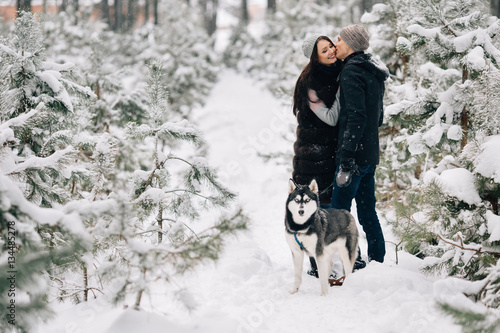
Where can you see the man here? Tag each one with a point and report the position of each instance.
(361, 112)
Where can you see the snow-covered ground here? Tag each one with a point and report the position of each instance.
(247, 289)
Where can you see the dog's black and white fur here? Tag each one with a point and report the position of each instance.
(320, 233)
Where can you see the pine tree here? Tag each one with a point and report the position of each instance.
(53, 158)
(186, 51)
(387, 22)
(453, 34)
(446, 114)
(449, 35)
(470, 321)
(34, 241)
(48, 99)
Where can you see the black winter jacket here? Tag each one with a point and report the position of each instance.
(361, 108)
(316, 142)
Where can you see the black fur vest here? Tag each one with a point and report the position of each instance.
(316, 144)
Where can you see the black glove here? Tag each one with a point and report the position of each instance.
(327, 94)
(347, 169)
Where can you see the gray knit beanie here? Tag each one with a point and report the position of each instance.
(308, 45)
(356, 37)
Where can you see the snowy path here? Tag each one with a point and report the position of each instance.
(247, 289)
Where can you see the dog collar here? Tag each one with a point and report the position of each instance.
(298, 242)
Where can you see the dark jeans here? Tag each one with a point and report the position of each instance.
(362, 189)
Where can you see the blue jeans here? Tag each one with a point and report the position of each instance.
(362, 189)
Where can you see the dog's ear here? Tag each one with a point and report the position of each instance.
(291, 186)
(314, 186)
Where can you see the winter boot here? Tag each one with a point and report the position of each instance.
(359, 263)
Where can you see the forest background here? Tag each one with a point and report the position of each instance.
(104, 187)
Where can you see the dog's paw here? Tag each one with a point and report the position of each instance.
(293, 290)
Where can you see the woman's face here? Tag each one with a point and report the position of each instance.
(326, 52)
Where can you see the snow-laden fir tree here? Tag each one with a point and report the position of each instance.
(452, 34)
(160, 241)
(37, 244)
(386, 22)
(43, 93)
(436, 103)
(115, 106)
(27, 255)
(450, 216)
(110, 66)
(106, 61)
(186, 51)
(54, 158)
(80, 280)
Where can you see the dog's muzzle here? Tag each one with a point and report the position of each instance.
(301, 212)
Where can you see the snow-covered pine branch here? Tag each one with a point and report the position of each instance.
(44, 239)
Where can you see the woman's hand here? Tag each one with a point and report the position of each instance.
(314, 101)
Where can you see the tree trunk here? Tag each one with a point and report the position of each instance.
(495, 7)
(76, 4)
(245, 18)
(23, 5)
(209, 8)
(138, 299)
(64, 6)
(118, 24)
(139, 293)
(155, 9)
(131, 14)
(85, 283)
(160, 225)
(464, 116)
(105, 12)
(366, 5)
(146, 11)
(271, 6)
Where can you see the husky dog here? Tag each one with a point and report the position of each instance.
(318, 232)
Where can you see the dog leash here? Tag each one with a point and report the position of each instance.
(326, 189)
(298, 242)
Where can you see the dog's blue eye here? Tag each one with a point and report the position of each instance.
(307, 200)
(297, 200)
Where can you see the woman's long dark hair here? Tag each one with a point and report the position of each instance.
(300, 93)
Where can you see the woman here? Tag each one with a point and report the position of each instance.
(313, 101)
(316, 140)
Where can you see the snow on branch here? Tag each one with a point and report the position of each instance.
(19, 120)
(41, 162)
(478, 249)
(8, 50)
(51, 78)
(183, 130)
(12, 196)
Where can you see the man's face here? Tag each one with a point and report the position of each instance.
(343, 50)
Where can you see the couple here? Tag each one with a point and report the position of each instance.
(338, 105)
